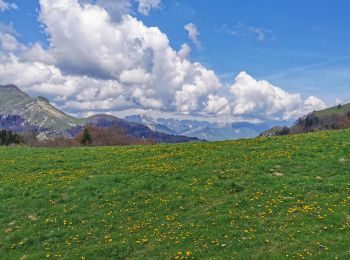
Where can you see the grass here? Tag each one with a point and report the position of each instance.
(284, 197)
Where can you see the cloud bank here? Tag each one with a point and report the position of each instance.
(98, 62)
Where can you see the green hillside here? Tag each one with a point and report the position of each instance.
(284, 197)
(343, 110)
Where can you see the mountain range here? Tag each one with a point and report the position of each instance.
(211, 131)
(21, 113)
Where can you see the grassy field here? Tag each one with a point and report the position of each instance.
(284, 197)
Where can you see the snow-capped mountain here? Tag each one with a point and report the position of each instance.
(202, 129)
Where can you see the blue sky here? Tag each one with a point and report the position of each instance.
(300, 46)
(311, 38)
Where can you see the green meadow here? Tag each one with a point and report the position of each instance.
(277, 198)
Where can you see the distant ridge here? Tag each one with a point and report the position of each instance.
(138, 130)
(202, 129)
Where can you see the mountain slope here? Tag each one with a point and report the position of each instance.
(36, 111)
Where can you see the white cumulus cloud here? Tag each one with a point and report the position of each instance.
(4, 6)
(145, 6)
(260, 98)
(135, 76)
(8, 42)
(118, 8)
(193, 34)
(185, 51)
(218, 105)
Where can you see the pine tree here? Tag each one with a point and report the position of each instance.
(86, 138)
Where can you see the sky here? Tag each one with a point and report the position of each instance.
(220, 60)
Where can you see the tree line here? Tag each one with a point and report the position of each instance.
(8, 137)
(90, 136)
